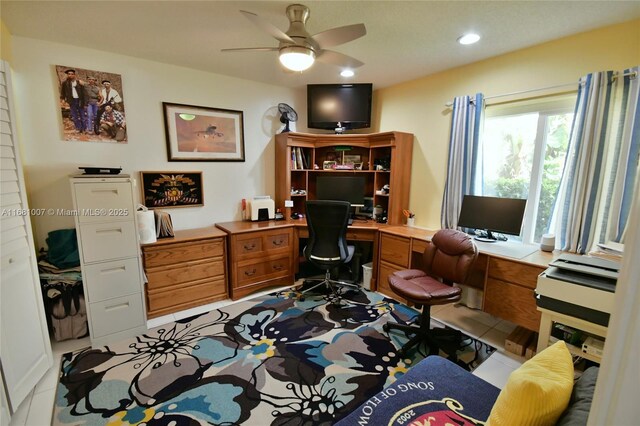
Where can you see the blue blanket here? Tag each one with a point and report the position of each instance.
(434, 392)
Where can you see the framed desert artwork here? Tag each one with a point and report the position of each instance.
(172, 189)
(196, 133)
(91, 105)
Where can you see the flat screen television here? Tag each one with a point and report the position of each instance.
(492, 214)
(347, 104)
(341, 188)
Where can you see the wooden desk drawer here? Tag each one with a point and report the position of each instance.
(511, 302)
(163, 276)
(182, 252)
(248, 244)
(395, 250)
(384, 271)
(275, 241)
(170, 299)
(251, 272)
(514, 272)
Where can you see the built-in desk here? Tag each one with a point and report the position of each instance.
(507, 283)
(264, 254)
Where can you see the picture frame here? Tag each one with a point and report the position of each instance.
(172, 189)
(91, 105)
(199, 133)
(328, 165)
(351, 159)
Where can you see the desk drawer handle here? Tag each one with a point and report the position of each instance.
(278, 243)
(278, 267)
(250, 273)
(249, 247)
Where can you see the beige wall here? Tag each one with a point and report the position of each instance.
(48, 160)
(5, 42)
(418, 106)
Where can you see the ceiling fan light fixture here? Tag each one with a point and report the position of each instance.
(469, 38)
(347, 73)
(297, 58)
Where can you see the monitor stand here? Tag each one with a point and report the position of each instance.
(490, 238)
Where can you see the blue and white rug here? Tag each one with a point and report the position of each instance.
(271, 360)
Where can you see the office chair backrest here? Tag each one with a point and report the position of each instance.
(327, 222)
(450, 256)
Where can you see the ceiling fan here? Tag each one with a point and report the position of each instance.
(299, 49)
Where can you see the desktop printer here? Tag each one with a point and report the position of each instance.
(579, 286)
(262, 208)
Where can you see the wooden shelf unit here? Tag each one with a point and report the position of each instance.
(394, 149)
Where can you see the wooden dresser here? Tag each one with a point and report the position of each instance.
(260, 255)
(185, 271)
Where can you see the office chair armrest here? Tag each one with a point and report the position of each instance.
(409, 274)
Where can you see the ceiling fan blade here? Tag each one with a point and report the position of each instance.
(340, 35)
(251, 49)
(339, 59)
(268, 27)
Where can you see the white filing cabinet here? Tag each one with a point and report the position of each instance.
(109, 256)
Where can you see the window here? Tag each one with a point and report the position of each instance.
(523, 150)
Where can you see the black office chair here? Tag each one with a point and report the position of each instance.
(327, 246)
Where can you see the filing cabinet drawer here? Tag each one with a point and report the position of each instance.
(115, 315)
(163, 276)
(250, 273)
(112, 279)
(111, 198)
(514, 272)
(106, 241)
(395, 250)
(385, 270)
(182, 252)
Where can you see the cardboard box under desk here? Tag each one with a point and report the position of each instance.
(518, 341)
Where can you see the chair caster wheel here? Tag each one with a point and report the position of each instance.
(386, 327)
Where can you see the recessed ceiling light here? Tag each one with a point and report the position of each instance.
(347, 73)
(468, 38)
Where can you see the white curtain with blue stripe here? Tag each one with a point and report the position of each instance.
(601, 168)
(464, 149)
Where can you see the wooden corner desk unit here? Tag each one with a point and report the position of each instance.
(265, 254)
(191, 269)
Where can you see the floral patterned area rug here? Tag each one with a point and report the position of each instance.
(271, 360)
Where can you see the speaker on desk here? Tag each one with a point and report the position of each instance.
(548, 242)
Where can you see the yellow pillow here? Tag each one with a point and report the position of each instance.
(537, 392)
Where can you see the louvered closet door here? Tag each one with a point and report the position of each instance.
(25, 351)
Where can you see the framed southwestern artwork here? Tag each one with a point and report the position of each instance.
(196, 133)
(172, 189)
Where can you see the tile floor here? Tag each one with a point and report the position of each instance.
(37, 408)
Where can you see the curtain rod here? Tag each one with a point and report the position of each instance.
(633, 74)
(450, 103)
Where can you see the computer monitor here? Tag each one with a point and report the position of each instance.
(492, 214)
(341, 188)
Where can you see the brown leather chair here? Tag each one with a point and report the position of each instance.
(447, 260)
